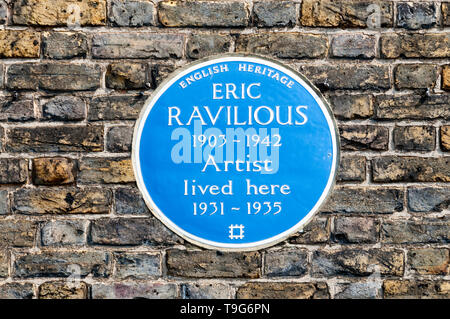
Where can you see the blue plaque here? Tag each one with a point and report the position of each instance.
(235, 152)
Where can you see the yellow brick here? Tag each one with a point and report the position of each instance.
(19, 44)
(59, 12)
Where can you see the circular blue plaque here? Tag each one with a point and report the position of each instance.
(235, 152)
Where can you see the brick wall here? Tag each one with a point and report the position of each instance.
(71, 90)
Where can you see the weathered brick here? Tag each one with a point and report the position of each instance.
(62, 290)
(131, 232)
(446, 77)
(203, 13)
(358, 262)
(283, 290)
(50, 200)
(127, 76)
(414, 289)
(199, 290)
(353, 46)
(4, 202)
(147, 290)
(359, 290)
(129, 201)
(411, 232)
(415, 76)
(59, 12)
(445, 138)
(364, 200)
(415, 45)
(13, 170)
(64, 45)
(120, 107)
(137, 265)
(429, 261)
(64, 108)
(3, 12)
(17, 233)
(350, 107)
(315, 232)
(284, 44)
(286, 262)
(411, 169)
(16, 109)
(63, 233)
(414, 138)
(355, 230)
(200, 45)
(137, 45)
(19, 44)
(446, 13)
(4, 262)
(346, 14)
(160, 72)
(16, 291)
(364, 137)
(348, 76)
(119, 139)
(428, 199)
(412, 106)
(2, 136)
(105, 170)
(62, 138)
(274, 13)
(131, 13)
(416, 15)
(53, 76)
(60, 264)
(211, 264)
(54, 171)
(352, 169)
